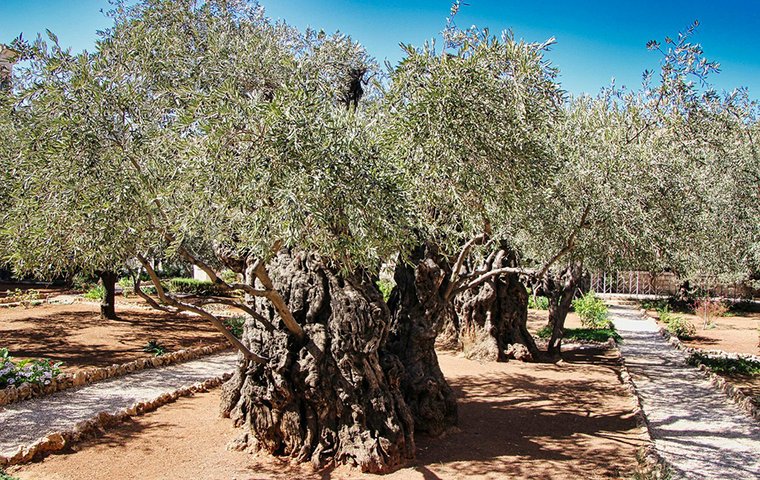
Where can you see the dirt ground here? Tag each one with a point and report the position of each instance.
(517, 420)
(737, 333)
(44, 290)
(76, 335)
(539, 318)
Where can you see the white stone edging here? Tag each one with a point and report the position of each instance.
(57, 441)
(90, 375)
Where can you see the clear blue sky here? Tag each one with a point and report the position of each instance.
(597, 40)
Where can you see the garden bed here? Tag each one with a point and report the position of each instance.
(77, 336)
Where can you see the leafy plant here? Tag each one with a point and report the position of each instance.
(727, 365)
(6, 476)
(228, 276)
(386, 287)
(584, 334)
(192, 286)
(155, 348)
(37, 372)
(235, 325)
(592, 311)
(538, 302)
(96, 293)
(24, 297)
(676, 324)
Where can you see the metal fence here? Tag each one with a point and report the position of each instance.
(663, 283)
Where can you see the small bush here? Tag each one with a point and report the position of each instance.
(96, 293)
(592, 311)
(727, 365)
(385, 287)
(235, 325)
(83, 282)
(600, 335)
(155, 348)
(228, 276)
(25, 297)
(676, 324)
(202, 288)
(654, 304)
(37, 372)
(538, 302)
(6, 476)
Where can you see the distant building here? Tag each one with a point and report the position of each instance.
(8, 57)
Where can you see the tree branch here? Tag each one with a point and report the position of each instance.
(168, 300)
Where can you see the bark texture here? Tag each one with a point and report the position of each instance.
(491, 320)
(561, 289)
(108, 279)
(418, 310)
(326, 398)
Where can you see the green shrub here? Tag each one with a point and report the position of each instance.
(37, 372)
(228, 276)
(654, 304)
(96, 293)
(676, 324)
(544, 332)
(235, 325)
(538, 302)
(83, 282)
(154, 347)
(6, 476)
(386, 287)
(732, 366)
(592, 334)
(592, 311)
(192, 286)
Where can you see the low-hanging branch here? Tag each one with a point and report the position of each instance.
(186, 307)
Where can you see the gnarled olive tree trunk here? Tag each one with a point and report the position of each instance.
(560, 289)
(418, 310)
(324, 399)
(491, 319)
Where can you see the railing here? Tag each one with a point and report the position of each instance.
(663, 283)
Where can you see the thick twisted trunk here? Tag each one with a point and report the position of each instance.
(108, 279)
(492, 319)
(561, 290)
(418, 310)
(326, 398)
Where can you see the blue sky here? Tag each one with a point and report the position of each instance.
(596, 40)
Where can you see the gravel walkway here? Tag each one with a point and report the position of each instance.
(695, 427)
(25, 422)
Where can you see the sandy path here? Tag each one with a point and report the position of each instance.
(24, 422)
(695, 427)
(571, 420)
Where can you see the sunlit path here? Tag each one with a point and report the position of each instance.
(695, 427)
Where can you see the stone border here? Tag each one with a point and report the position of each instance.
(86, 376)
(651, 464)
(741, 399)
(57, 441)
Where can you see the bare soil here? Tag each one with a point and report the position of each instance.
(517, 420)
(539, 318)
(76, 335)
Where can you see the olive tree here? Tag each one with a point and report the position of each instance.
(207, 132)
(468, 124)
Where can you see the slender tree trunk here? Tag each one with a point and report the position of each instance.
(108, 279)
(329, 398)
(561, 292)
(419, 310)
(492, 319)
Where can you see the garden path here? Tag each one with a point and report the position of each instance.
(25, 422)
(695, 427)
